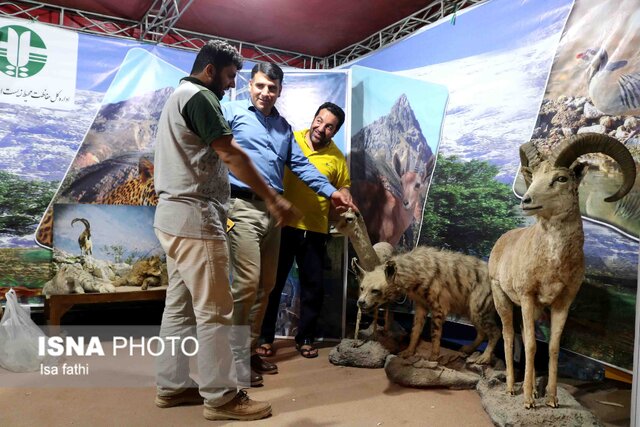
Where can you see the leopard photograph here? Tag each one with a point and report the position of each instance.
(136, 190)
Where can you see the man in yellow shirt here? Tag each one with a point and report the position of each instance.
(306, 239)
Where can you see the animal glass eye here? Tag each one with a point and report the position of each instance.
(376, 292)
(562, 179)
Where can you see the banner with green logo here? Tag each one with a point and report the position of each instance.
(37, 65)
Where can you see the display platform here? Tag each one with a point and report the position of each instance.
(55, 306)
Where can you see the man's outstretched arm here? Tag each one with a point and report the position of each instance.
(242, 167)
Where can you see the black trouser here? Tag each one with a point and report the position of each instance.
(308, 248)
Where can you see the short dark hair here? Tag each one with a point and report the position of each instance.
(333, 109)
(273, 71)
(220, 54)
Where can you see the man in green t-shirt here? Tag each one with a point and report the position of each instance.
(194, 151)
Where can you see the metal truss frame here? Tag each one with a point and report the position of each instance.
(436, 10)
(157, 26)
(160, 18)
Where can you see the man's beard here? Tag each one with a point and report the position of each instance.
(322, 141)
(216, 88)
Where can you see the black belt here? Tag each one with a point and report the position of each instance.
(239, 193)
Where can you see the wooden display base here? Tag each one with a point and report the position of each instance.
(55, 306)
(618, 375)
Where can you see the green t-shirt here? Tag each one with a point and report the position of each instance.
(191, 181)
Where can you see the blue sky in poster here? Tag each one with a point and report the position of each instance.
(428, 100)
(141, 72)
(493, 26)
(99, 59)
(495, 62)
(111, 225)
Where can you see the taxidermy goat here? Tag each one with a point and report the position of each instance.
(543, 265)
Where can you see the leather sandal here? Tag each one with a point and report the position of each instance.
(306, 349)
(266, 350)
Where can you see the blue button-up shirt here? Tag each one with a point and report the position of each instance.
(268, 140)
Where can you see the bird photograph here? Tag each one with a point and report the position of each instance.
(614, 86)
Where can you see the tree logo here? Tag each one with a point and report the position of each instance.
(22, 52)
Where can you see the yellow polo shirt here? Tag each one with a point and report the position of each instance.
(330, 162)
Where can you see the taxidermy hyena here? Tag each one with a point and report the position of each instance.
(441, 281)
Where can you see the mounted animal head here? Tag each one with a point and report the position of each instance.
(552, 184)
(374, 289)
(348, 222)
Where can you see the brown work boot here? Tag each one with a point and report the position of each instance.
(241, 408)
(188, 396)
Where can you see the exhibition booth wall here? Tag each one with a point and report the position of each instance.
(436, 120)
(520, 71)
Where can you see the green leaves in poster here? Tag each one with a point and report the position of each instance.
(22, 202)
(467, 209)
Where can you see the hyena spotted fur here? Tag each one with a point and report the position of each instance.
(440, 281)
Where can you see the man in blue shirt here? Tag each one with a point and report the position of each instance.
(254, 238)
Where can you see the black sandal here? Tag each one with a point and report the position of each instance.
(306, 349)
(266, 350)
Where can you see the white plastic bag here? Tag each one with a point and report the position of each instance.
(19, 338)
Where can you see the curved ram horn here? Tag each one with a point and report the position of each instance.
(529, 155)
(585, 143)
